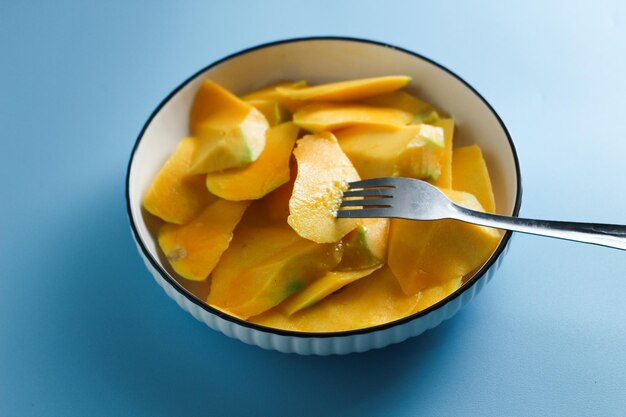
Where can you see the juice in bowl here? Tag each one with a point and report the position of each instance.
(234, 179)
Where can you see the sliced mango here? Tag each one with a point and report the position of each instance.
(271, 93)
(445, 179)
(373, 300)
(470, 174)
(322, 116)
(274, 112)
(324, 172)
(323, 287)
(275, 205)
(230, 132)
(287, 262)
(194, 249)
(365, 246)
(422, 111)
(267, 173)
(414, 151)
(265, 265)
(174, 195)
(214, 102)
(424, 254)
(347, 90)
(433, 295)
(222, 148)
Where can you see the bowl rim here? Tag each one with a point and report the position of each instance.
(345, 333)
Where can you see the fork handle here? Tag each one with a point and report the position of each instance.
(611, 235)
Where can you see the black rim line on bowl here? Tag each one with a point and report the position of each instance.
(469, 284)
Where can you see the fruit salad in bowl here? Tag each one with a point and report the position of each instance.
(235, 181)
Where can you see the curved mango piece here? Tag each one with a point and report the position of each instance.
(372, 300)
(433, 295)
(264, 265)
(324, 172)
(194, 249)
(470, 174)
(424, 254)
(223, 147)
(414, 151)
(445, 178)
(230, 132)
(323, 287)
(258, 178)
(322, 116)
(347, 90)
(275, 205)
(174, 195)
(216, 104)
(271, 93)
(365, 246)
(422, 111)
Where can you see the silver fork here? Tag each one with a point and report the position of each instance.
(407, 198)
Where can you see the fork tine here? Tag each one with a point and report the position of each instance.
(372, 192)
(365, 213)
(374, 182)
(385, 202)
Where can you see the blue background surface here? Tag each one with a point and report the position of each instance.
(84, 330)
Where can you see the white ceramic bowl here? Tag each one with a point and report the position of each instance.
(320, 60)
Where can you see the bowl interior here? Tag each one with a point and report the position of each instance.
(317, 61)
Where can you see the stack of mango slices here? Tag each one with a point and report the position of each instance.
(248, 204)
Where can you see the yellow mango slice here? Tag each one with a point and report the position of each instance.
(415, 151)
(433, 295)
(264, 265)
(322, 116)
(470, 174)
(174, 195)
(422, 111)
(425, 254)
(370, 301)
(324, 172)
(215, 103)
(271, 93)
(194, 249)
(347, 90)
(221, 147)
(365, 246)
(323, 287)
(258, 178)
(230, 132)
(275, 205)
(445, 179)
(274, 112)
